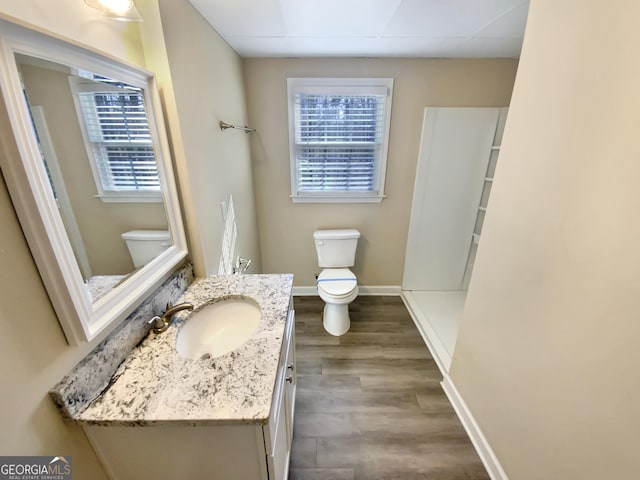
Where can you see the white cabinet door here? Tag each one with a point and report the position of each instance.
(290, 381)
(454, 153)
(279, 431)
(278, 462)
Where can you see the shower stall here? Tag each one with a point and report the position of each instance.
(456, 164)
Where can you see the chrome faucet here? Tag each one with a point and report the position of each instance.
(160, 324)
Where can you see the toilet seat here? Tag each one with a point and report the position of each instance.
(337, 282)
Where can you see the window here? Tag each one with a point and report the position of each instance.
(118, 138)
(338, 130)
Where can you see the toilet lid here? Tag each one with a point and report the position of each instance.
(337, 281)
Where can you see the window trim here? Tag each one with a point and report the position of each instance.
(343, 86)
(107, 196)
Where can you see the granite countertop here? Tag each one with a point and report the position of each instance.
(155, 385)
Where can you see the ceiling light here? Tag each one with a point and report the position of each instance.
(123, 10)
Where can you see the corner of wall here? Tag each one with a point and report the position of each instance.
(157, 61)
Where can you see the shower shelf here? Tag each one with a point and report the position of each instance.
(482, 208)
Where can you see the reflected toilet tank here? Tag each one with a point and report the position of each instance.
(145, 245)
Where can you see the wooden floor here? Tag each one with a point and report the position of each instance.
(369, 404)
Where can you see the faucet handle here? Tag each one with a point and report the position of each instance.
(156, 322)
(170, 300)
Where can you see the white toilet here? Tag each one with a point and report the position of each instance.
(145, 245)
(337, 285)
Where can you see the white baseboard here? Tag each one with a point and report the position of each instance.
(431, 339)
(485, 452)
(392, 290)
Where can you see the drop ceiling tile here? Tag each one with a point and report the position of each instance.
(510, 25)
(352, 47)
(249, 47)
(416, 47)
(484, 47)
(438, 18)
(337, 18)
(243, 17)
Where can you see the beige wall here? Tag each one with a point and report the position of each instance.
(34, 354)
(286, 228)
(547, 356)
(101, 224)
(204, 77)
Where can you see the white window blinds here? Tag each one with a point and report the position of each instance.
(339, 138)
(117, 131)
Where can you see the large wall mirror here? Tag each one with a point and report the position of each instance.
(93, 185)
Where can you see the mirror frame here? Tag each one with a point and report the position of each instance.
(32, 196)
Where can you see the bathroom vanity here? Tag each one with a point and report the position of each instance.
(214, 417)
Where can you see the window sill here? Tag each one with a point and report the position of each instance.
(337, 198)
(130, 198)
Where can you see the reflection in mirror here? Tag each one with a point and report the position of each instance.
(90, 177)
(93, 134)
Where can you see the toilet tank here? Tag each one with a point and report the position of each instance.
(145, 245)
(336, 248)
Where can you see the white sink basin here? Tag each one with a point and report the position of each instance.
(218, 328)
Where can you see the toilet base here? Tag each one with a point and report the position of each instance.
(335, 319)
